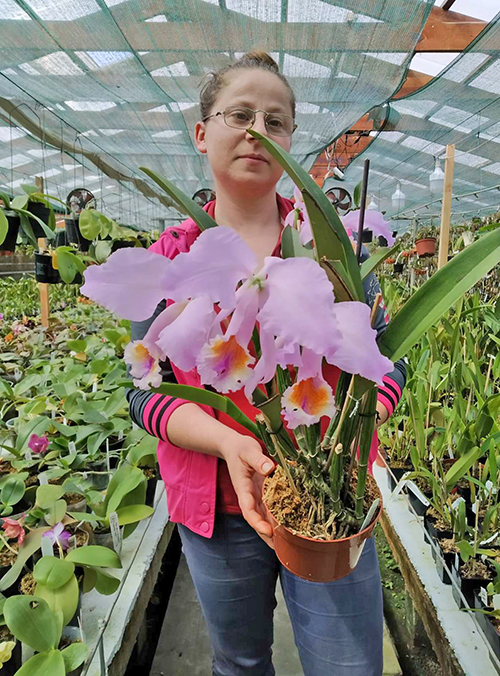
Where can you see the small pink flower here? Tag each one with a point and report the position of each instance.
(14, 529)
(38, 444)
(58, 535)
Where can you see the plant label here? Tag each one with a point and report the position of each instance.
(42, 478)
(116, 533)
(27, 455)
(457, 560)
(108, 459)
(53, 413)
(65, 421)
(94, 386)
(455, 505)
(47, 547)
(120, 435)
(72, 542)
(483, 595)
(72, 447)
(496, 601)
(135, 427)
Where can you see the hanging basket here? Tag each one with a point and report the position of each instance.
(9, 243)
(398, 268)
(44, 271)
(320, 560)
(426, 247)
(367, 236)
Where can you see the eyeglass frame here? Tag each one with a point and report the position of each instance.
(236, 107)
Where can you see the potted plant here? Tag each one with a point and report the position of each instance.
(18, 214)
(425, 242)
(34, 623)
(143, 456)
(9, 228)
(320, 469)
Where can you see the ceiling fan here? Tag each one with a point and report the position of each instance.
(203, 196)
(340, 199)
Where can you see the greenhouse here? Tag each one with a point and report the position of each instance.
(249, 338)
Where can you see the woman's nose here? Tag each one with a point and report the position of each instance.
(259, 123)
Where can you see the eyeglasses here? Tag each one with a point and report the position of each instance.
(240, 117)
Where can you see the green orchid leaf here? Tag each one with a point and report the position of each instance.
(94, 555)
(12, 491)
(31, 544)
(133, 514)
(44, 664)
(64, 598)
(357, 194)
(4, 226)
(106, 584)
(74, 655)
(31, 621)
(291, 246)
(53, 572)
(48, 494)
(461, 466)
(185, 203)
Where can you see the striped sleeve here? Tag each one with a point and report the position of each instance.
(390, 392)
(149, 410)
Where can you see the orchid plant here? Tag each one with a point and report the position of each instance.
(270, 329)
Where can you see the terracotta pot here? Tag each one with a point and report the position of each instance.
(426, 247)
(320, 560)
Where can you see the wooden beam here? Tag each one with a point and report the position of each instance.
(444, 235)
(447, 5)
(414, 81)
(449, 31)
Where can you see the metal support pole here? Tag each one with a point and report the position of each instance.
(364, 190)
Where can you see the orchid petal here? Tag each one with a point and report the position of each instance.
(183, 338)
(306, 234)
(225, 364)
(357, 351)
(287, 354)
(145, 368)
(374, 221)
(305, 402)
(129, 283)
(311, 364)
(218, 260)
(290, 219)
(243, 320)
(265, 368)
(299, 308)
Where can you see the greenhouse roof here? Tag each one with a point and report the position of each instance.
(91, 91)
(119, 79)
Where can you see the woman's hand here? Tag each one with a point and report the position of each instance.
(248, 466)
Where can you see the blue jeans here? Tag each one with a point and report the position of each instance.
(337, 625)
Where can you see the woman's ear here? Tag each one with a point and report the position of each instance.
(199, 137)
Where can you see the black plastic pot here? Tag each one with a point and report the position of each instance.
(44, 272)
(121, 244)
(490, 631)
(398, 473)
(75, 236)
(43, 213)
(382, 241)
(419, 507)
(467, 586)
(399, 267)
(61, 238)
(150, 491)
(367, 236)
(9, 244)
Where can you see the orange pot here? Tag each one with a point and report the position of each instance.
(320, 560)
(426, 247)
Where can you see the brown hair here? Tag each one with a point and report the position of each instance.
(211, 89)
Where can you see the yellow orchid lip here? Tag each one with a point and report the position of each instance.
(310, 396)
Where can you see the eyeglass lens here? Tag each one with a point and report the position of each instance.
(276, 123)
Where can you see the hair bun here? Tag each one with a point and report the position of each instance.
(253, 59)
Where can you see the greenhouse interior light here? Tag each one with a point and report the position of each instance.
(436, 179)
(373, 205)
(398, 199)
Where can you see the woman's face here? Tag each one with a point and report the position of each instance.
(228, 149)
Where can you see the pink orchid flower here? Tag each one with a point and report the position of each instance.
(299, 218)
(290, 300)
(58, 535)
(374, 221)
(14, 529)
(38, 444)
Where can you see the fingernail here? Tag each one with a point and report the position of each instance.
(266, 467)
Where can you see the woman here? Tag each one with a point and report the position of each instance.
(213, 468)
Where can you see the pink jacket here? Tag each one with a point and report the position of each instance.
(191, 478)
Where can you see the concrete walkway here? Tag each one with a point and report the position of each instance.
(184, 649)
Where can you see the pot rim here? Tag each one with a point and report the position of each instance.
(330, 542)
